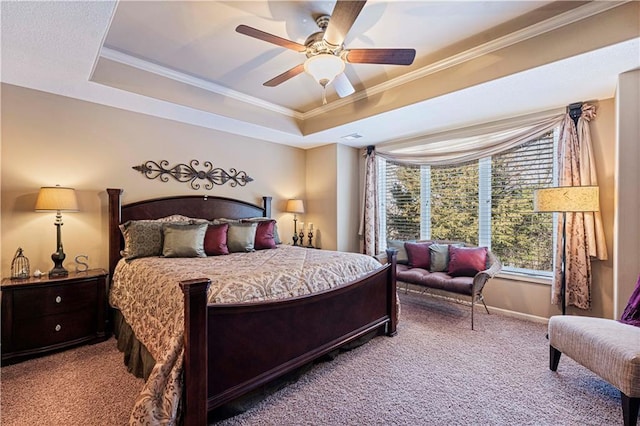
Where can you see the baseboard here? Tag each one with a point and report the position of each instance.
(514, 314)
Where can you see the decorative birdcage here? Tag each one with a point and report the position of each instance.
(19, 266)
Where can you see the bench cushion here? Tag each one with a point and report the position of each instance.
(607, 347)
(437, 280)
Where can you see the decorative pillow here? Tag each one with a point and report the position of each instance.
(401, 255)
(467, 261)
(265, 235)
(276, 236)
(631, 314)
(418, 255)
(241, 237)
(215, 240)
(220, 220)
(184, 240)
(174, 218)
(142, 238)
(440, 257)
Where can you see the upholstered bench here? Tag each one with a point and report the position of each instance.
(609, 348)
(450, 266)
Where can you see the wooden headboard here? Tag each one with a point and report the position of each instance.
(198, 206)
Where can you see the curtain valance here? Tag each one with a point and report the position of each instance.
(471, 143)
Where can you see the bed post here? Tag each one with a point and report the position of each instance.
(392, 292)
(114, 231)
(266, 203)
(195, 351)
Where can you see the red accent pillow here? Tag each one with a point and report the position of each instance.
(467, 261)
(215, 240)
(418, 254)
(264, 235)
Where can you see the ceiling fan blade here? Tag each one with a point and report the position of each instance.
(342, 85)
(270, 38)
(343, 16)
(381, 56)
(285, 76)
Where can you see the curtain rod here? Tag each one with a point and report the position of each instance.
(575, 111)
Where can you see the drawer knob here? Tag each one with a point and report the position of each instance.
(58, 299)
(58, 327)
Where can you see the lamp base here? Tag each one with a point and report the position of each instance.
(58, 270)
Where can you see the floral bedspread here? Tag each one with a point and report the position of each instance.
(147, 293)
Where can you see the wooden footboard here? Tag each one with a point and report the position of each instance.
(238, 348)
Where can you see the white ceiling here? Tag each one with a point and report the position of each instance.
(184, 61)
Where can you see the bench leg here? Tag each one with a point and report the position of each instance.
(485, 305)
(630, 408)
(554, 358)
(473, 299)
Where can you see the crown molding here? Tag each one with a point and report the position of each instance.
(559, 21)
(141, 64)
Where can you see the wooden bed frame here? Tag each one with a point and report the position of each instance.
(232, 349)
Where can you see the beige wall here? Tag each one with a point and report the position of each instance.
(321, 184)
(627, 190)
(348, 188)
(49, 139)
(332, 196)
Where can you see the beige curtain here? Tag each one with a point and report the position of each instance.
(583, 238)
(592, 220)
(369, 222)
(471, 143)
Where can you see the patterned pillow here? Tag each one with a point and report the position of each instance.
(467, 261)
(241, 237)
(184, 239)
(142, 238)
(215, 240)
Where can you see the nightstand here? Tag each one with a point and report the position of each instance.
(42, 315)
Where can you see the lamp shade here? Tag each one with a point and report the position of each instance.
(324, 67)
(567, 199)
(295, 206)
(56, 198)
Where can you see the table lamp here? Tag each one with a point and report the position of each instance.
(58, 199)
(295, 206)
(565, 199)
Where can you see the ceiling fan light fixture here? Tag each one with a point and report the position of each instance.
(324, 67)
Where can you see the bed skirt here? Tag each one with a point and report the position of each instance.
(139, 362)
(137, 358)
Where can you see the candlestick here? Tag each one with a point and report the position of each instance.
(310, 235)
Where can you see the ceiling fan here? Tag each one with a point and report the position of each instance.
(325, 51)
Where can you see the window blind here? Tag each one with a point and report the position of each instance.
(521, 238)
(454, 202)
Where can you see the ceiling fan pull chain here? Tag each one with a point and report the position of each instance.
(324, 95)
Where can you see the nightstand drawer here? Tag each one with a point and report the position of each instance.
(39, 302)
(52, 329)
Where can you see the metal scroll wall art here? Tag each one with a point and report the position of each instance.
(189, 173)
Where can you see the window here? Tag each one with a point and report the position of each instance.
(487, 202)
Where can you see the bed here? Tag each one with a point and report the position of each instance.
(231, 349)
